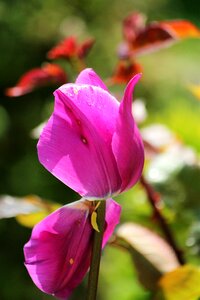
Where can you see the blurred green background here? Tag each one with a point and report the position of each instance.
(28, 30)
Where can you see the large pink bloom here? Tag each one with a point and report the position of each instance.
(91, 142)
(58, 253)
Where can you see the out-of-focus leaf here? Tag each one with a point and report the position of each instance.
(69, 48)
(124, 71)
(4, 121)
(65, 49)
(12, 206)
(180, 28)
(180, 284)
(155, 35)
(28, 210)
(161, 34)
(133, 25)
(46, 75)
(159, 136)
(32, 219)
(195, 89)
(189, 177)
(151, 254)
(169, 163)
(139, 111)
(85, 47)
(137, 209)
(35, 132)
(193, 240)
(118, 279)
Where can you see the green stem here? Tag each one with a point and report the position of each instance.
(96, 252)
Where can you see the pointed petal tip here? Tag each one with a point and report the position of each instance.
(135, 79)
(87, 71)
(89, 76)
(127, 99)
(84, 74)
(139, 75)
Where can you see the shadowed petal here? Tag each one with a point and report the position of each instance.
(127, 144)
(57, 256)
(88, 76)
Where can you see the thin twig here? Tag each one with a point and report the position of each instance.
(154, 199)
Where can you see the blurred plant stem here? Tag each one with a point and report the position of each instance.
(154, 199)
(77, 64)
(96, 251)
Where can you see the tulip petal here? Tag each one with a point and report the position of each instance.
(57, 256)
(50, 257)
(75, 145)
(127, 144)
(88, 76)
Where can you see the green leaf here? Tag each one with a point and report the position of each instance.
(151, 254)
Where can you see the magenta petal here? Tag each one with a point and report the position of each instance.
(58, 253)
(113, 211)
(91, 143)
(57, 256)
(96, 104)
(88, 76)
(75, 145)
(127, 143)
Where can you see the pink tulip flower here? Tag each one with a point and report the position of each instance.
(91, 142)
(58, 253)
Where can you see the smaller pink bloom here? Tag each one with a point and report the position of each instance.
(58, 253)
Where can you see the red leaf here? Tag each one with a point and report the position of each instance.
(181, 28)
(151, 39)
(125, 71)
(69, 48)
(48, 74)
(65, 49)
(85, 47)
(155, 35)
(132, 25)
